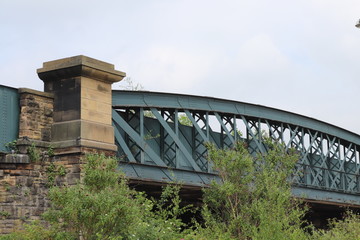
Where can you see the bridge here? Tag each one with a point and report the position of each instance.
(158, 137)
(157, 147)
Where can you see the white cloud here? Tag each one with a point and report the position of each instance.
(165, 68)
(259, 55)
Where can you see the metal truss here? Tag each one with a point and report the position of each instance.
(329, 155)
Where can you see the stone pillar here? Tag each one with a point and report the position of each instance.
(82, 101)
(36, 115)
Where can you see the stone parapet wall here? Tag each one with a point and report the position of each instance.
(24, 187)
(22, 195)
(36, 114)
(25, 182)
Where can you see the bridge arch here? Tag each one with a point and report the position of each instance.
(157, 147)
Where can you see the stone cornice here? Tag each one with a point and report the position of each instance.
(79, 66)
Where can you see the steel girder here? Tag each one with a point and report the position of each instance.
(149, 133)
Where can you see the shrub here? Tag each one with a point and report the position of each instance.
(253, 198)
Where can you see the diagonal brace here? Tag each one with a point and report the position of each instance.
(166, 126)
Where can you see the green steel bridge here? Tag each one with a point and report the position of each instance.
(155, 147)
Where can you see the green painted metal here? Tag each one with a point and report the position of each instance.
(328, 168)
(208, 104)
(325, 195)
(9, 115)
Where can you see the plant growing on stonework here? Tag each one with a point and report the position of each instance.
(54, 171)
(4, 214)
(34, 153)
(11, 146)
(253, 198)
(50, 151)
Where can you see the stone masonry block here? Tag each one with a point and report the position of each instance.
(73, 178)
(96, 85)
(97, 132)
(92, 105)
(95, 95)
(16, 158)
(95, 116)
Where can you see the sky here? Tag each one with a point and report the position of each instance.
(300, 56)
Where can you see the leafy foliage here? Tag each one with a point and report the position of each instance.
(253, 199)
(184, 120)
(34, 153)
(346, 229)
(11, 146)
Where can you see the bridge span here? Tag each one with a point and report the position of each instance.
(156, 146)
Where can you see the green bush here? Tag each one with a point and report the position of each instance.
(253, 198)
(346, 229)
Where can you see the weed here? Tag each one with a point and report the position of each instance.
(7, 186)
(53, 171)
(11, 146)
(26, 192)
(61, 170)
(34, 153)
(50, 151)
(4, 214)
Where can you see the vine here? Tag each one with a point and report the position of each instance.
(54, 171)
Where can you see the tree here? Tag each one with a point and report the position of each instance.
(253, 198)
(130, 85)
(184, 120)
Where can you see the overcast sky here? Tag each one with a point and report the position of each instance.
(301, 56)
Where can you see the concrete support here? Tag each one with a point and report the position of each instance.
(82, 101)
